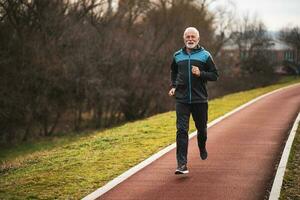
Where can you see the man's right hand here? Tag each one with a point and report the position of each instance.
(172, 92)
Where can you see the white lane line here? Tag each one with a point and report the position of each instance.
(276, 188)
(111, 184)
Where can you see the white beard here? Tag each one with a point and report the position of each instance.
(191, 46)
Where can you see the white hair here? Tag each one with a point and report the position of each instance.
(191, 29)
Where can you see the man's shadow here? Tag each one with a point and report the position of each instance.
(182, 178)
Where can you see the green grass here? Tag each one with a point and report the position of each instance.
(291, 182)
(11, 152)
(71, 169)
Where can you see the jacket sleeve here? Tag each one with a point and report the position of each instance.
(174, 71)
(212, 73)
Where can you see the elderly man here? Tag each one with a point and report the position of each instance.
(191, 68)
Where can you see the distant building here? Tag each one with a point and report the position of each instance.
(281, 55)
(278, 52)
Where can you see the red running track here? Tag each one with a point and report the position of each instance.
(243, 151)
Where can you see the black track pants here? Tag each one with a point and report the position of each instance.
(199, 113)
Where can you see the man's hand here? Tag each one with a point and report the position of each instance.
(172, 92)
(196, 70)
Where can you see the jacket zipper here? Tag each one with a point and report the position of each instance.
(189, 70)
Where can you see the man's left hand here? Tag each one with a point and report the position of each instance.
(196, 70)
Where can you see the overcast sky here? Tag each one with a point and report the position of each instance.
(275, 14)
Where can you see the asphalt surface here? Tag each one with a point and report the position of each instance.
(243, 151)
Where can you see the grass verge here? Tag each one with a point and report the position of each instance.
(291, 182)
(73, 169)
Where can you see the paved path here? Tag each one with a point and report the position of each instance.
(243, 151)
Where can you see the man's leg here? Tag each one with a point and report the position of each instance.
(199, 113)
(182, 139)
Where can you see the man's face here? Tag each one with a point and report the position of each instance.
(191, 39)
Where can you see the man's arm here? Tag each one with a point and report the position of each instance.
(174, 71)
(212, 73)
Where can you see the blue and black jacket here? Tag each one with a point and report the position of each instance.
(189, 87)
